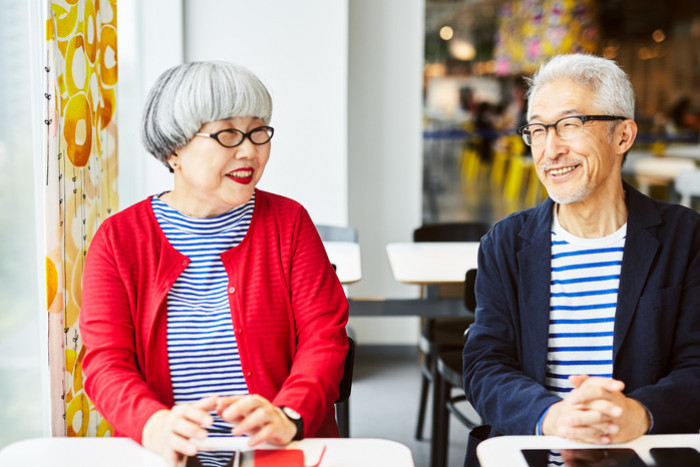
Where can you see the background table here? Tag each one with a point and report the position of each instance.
(690, 151)
(659, 171)
(346, 258)
(426, 263)
(505, 450)
(120, 452)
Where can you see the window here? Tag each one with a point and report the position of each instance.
(20, 344)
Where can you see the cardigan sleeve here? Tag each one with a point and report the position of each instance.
(113, 378)
(320, 313)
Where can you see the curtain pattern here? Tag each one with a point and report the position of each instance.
(80, 186)
(532, 31)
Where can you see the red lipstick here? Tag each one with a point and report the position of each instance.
(242, 176)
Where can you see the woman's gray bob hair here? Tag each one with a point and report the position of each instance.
(187, 96)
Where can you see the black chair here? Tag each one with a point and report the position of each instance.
(342, 405)
(470, 231)
(446, 332)
(448, 377)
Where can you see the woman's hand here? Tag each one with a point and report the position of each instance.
(255, 416)
(168, 432)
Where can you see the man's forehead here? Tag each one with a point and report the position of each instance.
(555, 113)
(559, 98)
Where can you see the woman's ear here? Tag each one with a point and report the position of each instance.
(172, 162)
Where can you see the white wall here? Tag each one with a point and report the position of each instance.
(150, 40)
(299, 50)
(385, 149)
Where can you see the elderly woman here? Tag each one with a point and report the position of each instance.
(212, 306)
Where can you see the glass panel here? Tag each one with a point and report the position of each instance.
(20, 375)
(478, 51)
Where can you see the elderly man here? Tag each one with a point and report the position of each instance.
(588, 317)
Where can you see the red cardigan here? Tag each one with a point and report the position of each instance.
(288, 309)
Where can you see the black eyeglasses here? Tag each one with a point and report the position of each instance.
(567, 128)
(231, 137)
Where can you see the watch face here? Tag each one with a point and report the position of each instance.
(291, 413)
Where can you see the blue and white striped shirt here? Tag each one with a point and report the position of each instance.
(202, 350)
(583, 300)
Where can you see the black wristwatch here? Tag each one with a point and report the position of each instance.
(294, 416)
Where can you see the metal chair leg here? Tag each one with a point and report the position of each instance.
(438, 443)
(423, 403)
(342, 416)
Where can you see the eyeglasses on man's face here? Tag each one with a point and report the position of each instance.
(567, 128)
(231, 137)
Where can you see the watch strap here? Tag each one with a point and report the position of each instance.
(295, 418)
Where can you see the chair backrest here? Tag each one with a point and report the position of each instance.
(451, 232)
(470, 231)
(469, 295)
(331, 233)
(346, 382)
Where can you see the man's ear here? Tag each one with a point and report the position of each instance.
(625, 134)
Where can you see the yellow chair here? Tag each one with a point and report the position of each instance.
(658, 148)
(500, 160)
(507, 147)
(535, 190)
(518, 169)
(470, 164)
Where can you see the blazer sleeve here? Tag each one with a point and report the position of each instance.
(113, 379)
(320, 310)
(503, 394)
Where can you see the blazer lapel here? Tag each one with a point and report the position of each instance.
(535, 272)
(641, 246)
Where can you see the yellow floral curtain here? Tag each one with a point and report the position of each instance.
(532, 31)
(80, 185)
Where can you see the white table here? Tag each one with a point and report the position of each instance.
(505, 450)
(346, 258)
(659, 171)
(71, 452)
(429, 263)
(119, 452)
(690, 151)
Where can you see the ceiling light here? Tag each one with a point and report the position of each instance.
(658, 35)
(462, 50)
(446, 33)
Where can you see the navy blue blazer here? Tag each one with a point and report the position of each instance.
(656, 343)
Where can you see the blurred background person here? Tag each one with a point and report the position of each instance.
(683, 120)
